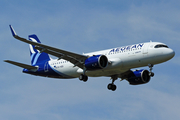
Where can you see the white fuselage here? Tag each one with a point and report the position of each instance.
(120, 59)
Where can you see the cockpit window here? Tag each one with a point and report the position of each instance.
(160, 46)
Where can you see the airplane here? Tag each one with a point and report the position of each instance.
(114, 63)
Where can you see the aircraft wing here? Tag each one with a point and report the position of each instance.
(29, 67)
(76, 59)
(126, 74)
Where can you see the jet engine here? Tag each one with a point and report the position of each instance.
(139, 77)
(96, 62)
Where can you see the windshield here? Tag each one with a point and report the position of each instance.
(160, 46)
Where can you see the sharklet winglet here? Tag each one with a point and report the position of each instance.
(12, 31)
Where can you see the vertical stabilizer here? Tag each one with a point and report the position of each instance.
(36, 56)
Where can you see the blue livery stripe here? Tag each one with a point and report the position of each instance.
(36, 56)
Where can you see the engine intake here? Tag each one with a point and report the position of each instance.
(139, 77)
(96, 62)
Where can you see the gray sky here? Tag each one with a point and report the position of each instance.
(82, 26)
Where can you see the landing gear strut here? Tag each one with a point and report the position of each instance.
(112, 86)
(150, 72)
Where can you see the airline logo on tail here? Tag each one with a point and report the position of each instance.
(32, 50)
(36, 56)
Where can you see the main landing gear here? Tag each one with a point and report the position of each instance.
(150, 70)
(83, 77)
(112, 86)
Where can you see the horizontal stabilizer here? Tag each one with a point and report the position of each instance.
(29, 67)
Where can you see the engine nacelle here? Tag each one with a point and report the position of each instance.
(139, 77)
(96, 62)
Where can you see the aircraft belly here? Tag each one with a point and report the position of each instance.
(106, 72)
(132, 61)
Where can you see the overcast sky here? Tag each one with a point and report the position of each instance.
(85, 26)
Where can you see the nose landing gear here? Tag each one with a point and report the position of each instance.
(150, 68)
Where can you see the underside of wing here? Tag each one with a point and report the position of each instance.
(125, 75)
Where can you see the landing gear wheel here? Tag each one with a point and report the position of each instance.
(151, 74)
(83, 77)
(111, 87)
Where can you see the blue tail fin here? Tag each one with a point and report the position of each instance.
(36, 56)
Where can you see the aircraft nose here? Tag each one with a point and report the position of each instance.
(170, 53)
(173, 53)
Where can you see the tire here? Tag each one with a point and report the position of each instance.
(109, 86)
(85, 78)
(113, 87)
(81, 77)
